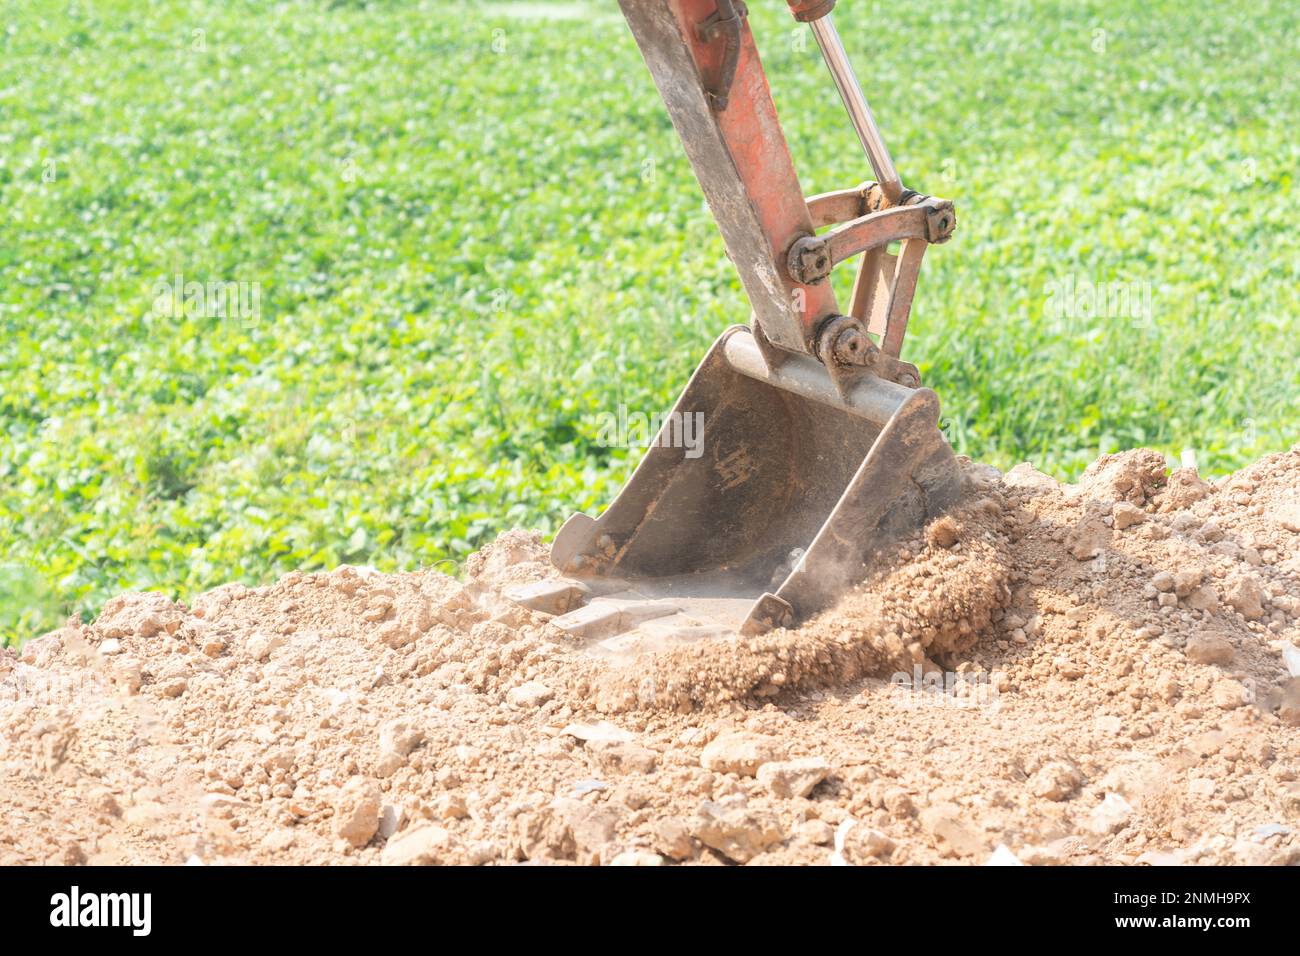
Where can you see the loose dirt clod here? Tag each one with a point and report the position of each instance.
(1058, 674)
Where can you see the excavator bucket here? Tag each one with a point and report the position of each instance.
(814, 447)
(792, 490)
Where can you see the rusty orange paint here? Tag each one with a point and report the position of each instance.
(758, 147)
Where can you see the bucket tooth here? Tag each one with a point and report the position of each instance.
(608, 617)
(769, 611)
(556, 596)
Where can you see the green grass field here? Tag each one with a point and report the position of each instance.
(466, 231)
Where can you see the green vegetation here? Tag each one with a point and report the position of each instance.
(467, 230)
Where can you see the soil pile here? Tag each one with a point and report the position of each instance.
(1100, 672)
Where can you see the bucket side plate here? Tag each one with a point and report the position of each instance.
(777, 506)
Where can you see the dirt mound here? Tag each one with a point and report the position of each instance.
(930, 602)
(1101, 672)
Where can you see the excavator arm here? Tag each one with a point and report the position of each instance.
(820, 450)
(702, 56)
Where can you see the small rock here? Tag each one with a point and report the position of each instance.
(278, 841)
(220, 803)
(619, 757)
(395, 635)
(1026, 476)
(391, 819)
(356, 811)
(1067, 668)
(591, 827)
(1271, 830)
(1088, 538)
(1289, 518)
(738, 833)
(422, 845)
(531, 694)
(300, 802)
(482, 852)
(72, 855)
(103, 802)
(1167, 688)
(110, 647)
(377, 608)
(1109, 816)
(397, 739)
(1228, 694)
(899, 803)
(450, 806)
(1204, 598)
(741, 752)
(400, 736)
(862, 842)
(1055, 781)
(1185, 582)
(128, 673)
(943, 533)
(945, 823)
(1163, 581)
(1209, 649)
(793, 778)
(672, 838)
(637, 858)
(600, 730)
(1127, 515)
(1247, 598)
(1002, 856)
(1109, 724)
(1210, 532)
(816, 832)
(540, 835)
(1288, 709)
(1183, 489)
(172, 686)
(447, 778)
(1049, 854)
(262, 646)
